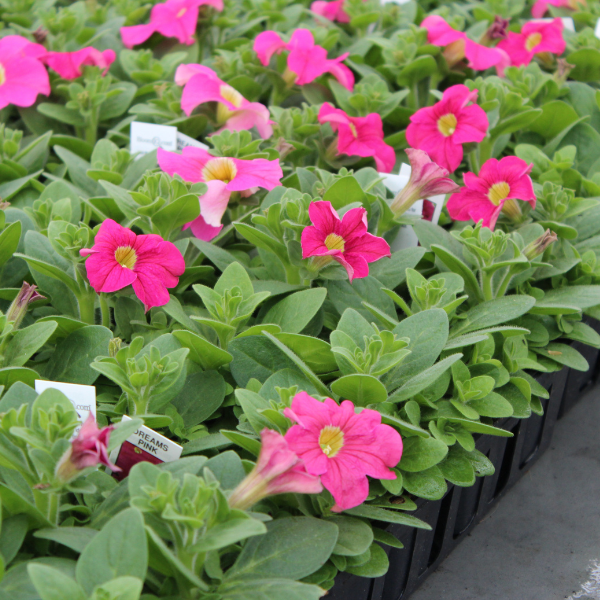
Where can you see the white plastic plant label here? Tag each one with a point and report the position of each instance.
(146, 137)
(83, 397)
(568, 22)
(185, 140)
(597, 30)
(406, 237)
(394, 1)
(144, 445)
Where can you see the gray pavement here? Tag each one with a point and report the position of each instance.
(542, 541)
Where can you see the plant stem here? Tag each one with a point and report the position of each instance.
(504, 283)
(87, 309)
(486, 279)
(105, 310)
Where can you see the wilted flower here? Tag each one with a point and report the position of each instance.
(345, 240)
(306, 61)
(539, 245)
(22, 75)
(69, 64)
(222, 175)
(496, 31)
(233, 110)
(277, 471)
(88, 449)
(342, 447)
(427, 179)
(497, 188)
(441, 129)
(535, 38)
(458, 46)
(174, 18)
(359, 136)
(120, 258)
(18, 308)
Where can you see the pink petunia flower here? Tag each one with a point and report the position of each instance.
(540, 7)
(174, 18)
(342, 447)
(222, 175)
(346, 240)
(233, 110)
(88, 449)
(277, 471)
(458, 46)
(306, 61)
(441, 129)
(427, 179)
(359, 136)
(22, 75)
(69, 64)
(535, 38)
(334, 10)
(120, 258)
(499, 184)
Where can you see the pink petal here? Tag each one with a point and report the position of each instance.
(369, 246)
(439, 32)
(341, 72)
(213, 204)
(266, 44)
(471, 125)
(185, 72)
(252, 114)
(354, 224)
(258, 172)
(202, 230)
(481, 57)
(199, 89)
(106, 274)
(324, 217)
(313, 242)
(187, 165)
(355, 264)
(347, 484)
(136, 34)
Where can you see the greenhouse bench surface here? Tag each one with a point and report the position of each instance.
(543, 543)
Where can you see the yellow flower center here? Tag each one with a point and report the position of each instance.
(353, 129)
(331, 440)
(231, 95)
(532, 41)
(126, 256)
(2, 74)
(181, 13)
(335, 242)
(498, 192)
(447, 125)
(221, 168)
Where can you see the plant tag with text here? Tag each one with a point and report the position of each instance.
(146, 137)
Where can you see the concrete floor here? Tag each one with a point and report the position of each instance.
(542, 541)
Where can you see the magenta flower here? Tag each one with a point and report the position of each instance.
(458, 46)
(88, 449)
(306, 61)
(346, 240)
(342, 447)
(427, 179)
(120, 258)
(277, 471)
(499, 184)
(233, 110)
(222, 175)
(441, 129)
(359, 136)
(174, 18)
(334, 10)
(541, 6)
(69, 64)
(22, 75)
(535, 38)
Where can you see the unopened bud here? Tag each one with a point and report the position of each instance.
(496, 31)
(18, 308)
(40, 35)
(114, 346)
(538, 247)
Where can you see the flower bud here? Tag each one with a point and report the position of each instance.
(538, 247)
(496, 31)
(18, 308)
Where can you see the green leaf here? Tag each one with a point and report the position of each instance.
(269, 589)
(121, 588)
(227, 533)
(76, 538)
(26, 342)
(392, 272)
(419, 454)
(429, 484)
(316, 353)
(360, 388)
(9, 240)
(207, 355)
(457, 469)
(388, 516)
(52, 584)
(119, 549)
(295, 312)
(202, 394)
(354, 537)
(456, 265)
(376, 566)
(293, 547)
(565, 355)
(12, 535)
(346, 190)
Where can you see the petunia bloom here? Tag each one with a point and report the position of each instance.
(499, 184)
(443, 128)
(174, 19)
(306, 61)
(233, 110)
(277, 471)
(427, 179)
(222, 175)
(359, 136)
(22, 75)
(334, 10)
(540, 7)
(120, 258)
(345, 240)
(69, 64)
(458, 46)
(88, 449)
(342, 447)
(535, 38)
